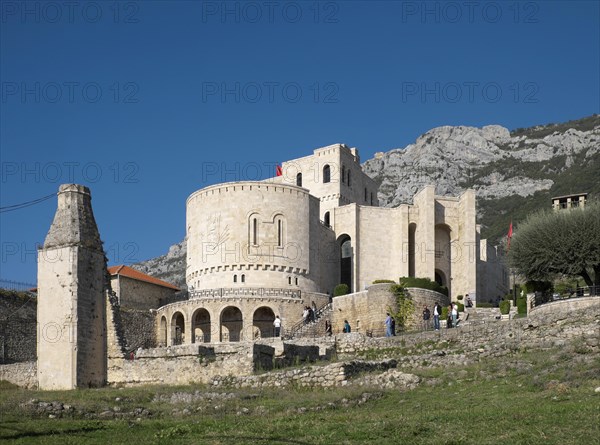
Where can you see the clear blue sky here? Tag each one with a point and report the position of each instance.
(141, 100)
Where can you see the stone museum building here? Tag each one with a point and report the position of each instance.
(257, 249)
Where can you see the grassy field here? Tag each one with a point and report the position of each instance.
(544, 397)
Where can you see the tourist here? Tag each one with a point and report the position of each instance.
(305, 314)
(426, 317)
(328, 328)
(347, 328)
(388, 325)
(455, 315)
(469, 302)
(277, 324)
(437, 313)
(314, 309)
(393, 327)
(311, 314)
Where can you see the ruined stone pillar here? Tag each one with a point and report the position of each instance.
(71, 310)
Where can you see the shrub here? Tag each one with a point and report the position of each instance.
(461, 307)
(341, 289)
(423, 283)
(522, 305)
(459, 297)
(406, 307)
(444, 313)
(504, 307)
(384, 281)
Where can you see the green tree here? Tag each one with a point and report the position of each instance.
(566, 242)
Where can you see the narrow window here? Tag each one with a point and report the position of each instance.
(365, 194)
(326, 174)
(254, 231)
(289, 280)
(279, 233)
(343, 174)
(296, 281)
(349, 178)
(243, 278)
(235, 278)
(371, 198)
(326, 221)
(299, 179)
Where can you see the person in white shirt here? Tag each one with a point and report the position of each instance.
(277, 324)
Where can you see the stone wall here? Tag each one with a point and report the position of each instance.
(335, 374)
(180, 365)
(22, 374)
(17, 327)
(543, 330)
(140, 295)
(569, 305)
(366, 310)
(139, 328)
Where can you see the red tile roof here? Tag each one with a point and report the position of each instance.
(128, 272)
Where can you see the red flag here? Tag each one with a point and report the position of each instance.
(510, 232)
(278, 170)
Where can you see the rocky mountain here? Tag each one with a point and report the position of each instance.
(169, 267)
(513, 174)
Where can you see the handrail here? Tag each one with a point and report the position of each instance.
(299, 325)
(578, 292)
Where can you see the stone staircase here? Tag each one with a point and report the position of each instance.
(485, 315)
(313, 329)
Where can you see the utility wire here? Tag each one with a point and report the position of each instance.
(25, 204)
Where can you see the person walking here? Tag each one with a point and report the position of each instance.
(388, 325)
(277, 325)
(347, 328)
(455, 315)
(426, 317)
(437, 313)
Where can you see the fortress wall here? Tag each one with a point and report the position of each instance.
(366, 310)
(220, 236)
(180, 365)
(18, 324)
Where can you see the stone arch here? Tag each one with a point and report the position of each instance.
(177, 328)
(162, 331)
(326, 173)
(201, 326)
(412, 230)
(262, 322)
(327, 219)
(232, 323)
(299, 179)
(443, 253)
(440, 278)
(346, 260)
